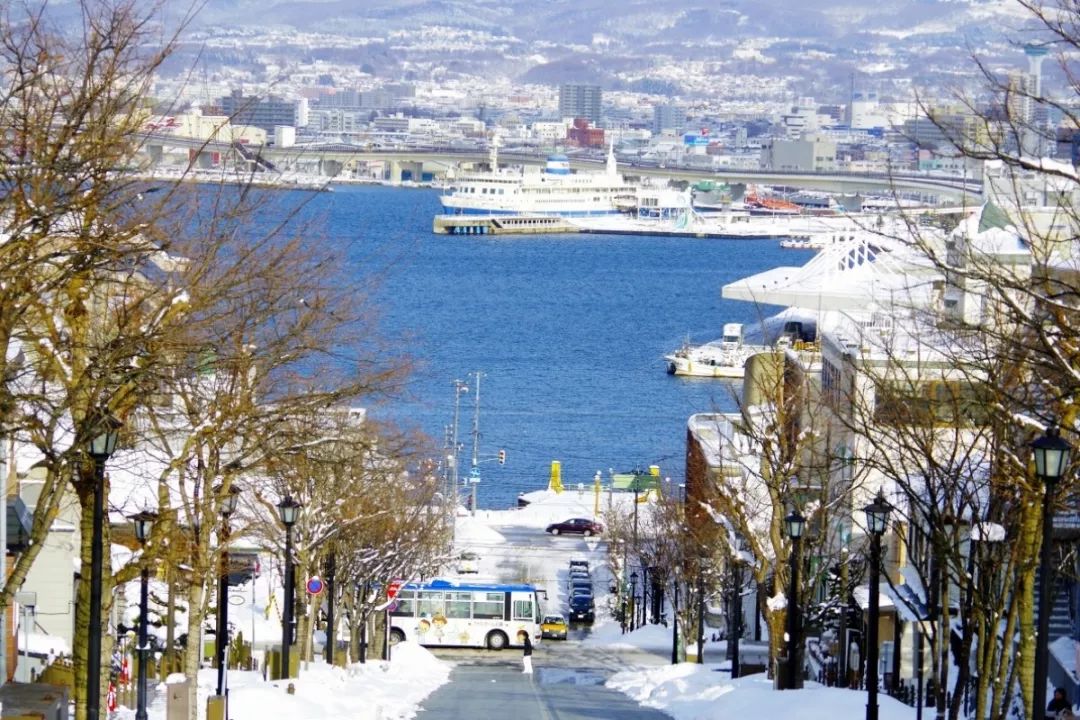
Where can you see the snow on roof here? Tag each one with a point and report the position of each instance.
(43, 645)
(844, 275)
(861, 595)
(715, 435)
(990, 231)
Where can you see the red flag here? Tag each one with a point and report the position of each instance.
(110, 698)
(125, 672)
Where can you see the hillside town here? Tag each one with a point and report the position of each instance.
(211, 513)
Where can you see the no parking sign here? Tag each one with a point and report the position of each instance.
(315, 585)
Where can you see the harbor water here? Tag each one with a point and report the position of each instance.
(569, 332)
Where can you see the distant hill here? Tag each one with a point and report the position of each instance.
(664, 21)
(634, 44)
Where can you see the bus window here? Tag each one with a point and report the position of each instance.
(404, 604)
(459, 605)
(432, 604)
(523, 609)
(488, 606)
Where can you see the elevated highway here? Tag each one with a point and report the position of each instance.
(332, 160)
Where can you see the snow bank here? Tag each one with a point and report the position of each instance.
(372, 691)
(472, 531)
(696, 692)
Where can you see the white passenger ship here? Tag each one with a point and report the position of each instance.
(554, 191)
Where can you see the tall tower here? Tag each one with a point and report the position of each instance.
(1035, 55)
(1032, 141)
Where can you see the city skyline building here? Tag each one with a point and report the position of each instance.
(668, 117)
(581, 101)
(263, 112)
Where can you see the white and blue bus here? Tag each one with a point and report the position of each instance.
(450, 613)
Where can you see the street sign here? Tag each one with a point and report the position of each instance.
(392, 587)
(315, 585)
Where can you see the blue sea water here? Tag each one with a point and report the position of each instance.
(568, 330)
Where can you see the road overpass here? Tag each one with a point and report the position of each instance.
(332, 160)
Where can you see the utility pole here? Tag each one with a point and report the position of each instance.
(476, 422)
(452, 458)
(474, 474)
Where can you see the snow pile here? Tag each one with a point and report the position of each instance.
(372, 691)
(695, 692)
(470, 531)
(547, 506)
(651, 638)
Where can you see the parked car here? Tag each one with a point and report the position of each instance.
(582, 610)
(581, 592)
(468, 562)
(579, 573)
(574, 584)
(578, 563)
(553, 627)
(582, 526)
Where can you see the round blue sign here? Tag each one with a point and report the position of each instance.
(314, 585)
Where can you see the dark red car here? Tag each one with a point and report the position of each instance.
(581, 526)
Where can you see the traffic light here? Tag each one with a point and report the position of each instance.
(502, 457)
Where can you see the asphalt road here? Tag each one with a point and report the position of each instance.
(568, 678)
(567, 684)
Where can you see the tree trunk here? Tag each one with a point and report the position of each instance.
(942, 638)
(197, 597)
(81, 641)
(1005, 663)
(1028, 545)
(348, 604)
(777, 621)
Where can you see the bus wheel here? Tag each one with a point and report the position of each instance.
(396, 636)
(496, 640)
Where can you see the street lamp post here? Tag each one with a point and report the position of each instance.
(1051, 458)
(675, 621)
(645, 579)
(877, 518)
(701, 610)
(633, 598)
(288, 512)
(735, 629)
(227, 506)
(331, 636)
(143, 523)
(100, 448)
(794, 523)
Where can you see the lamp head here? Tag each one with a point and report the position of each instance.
(289, 511)
(103, 443)
(1051, 455)
(795, 524)
(144, 522)
(228, 500)
(877, 514)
